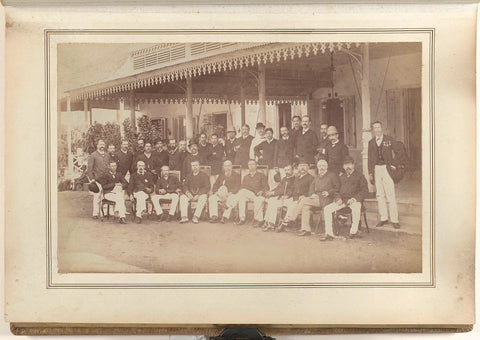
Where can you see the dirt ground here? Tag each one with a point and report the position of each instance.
(87, 245)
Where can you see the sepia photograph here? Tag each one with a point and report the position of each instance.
(234, 157)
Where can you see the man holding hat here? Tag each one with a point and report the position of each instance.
(230, 145)
(224, 190)
(242, 147)
(140, 187)
(97, 165)
(336, 151)
(353, 190)
(192, 156)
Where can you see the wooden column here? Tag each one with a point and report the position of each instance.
(242, 97)
(86, 109)
(366, 120)
(121, 108)
(262, 104)
(69, 137)
(189, 109)
(132, 111)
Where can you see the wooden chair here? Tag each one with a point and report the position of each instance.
(108, 204)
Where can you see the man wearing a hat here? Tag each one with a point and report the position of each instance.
(259, 138)
(353, 190)
(97, 165)
(300, 189)
(242, 147)
(336, 151)
(192, 156)
(141, 185)
(230, 144)
(224, 190)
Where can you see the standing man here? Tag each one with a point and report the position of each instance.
(242, 147)
(125, 158)
(141, 185)
(254, 186)
(322, 143)
(380, 157)
(301, 186)
(230, 145)
(166, 188)
(114, 185)
(283, 151)
(296, 127)
(149, 159)
(224, 191)
(320, 193)
(112, 153)
(281, 196)
(204, 148)
(177, 155)
(189, 158)
(216, 157)
(195, 188)
(161, 155)
(97, 165)
(335, 151)
(259, 137)
(353, 190)
(306, 142)
(265, 153)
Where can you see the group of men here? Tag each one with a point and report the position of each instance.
(284, 180)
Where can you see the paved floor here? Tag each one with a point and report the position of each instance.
(87, 245)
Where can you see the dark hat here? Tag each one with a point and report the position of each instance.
(192, 141)
(260, 126)
(348, 159)
(93, 187)
(231, 130)
(269, 129)
(303, 161)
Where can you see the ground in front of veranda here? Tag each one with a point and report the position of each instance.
(87, 245)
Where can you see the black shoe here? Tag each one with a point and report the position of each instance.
(268, 227)
(304, 233)
(258, 224)
(214, 219)
(160, 218)
(122, 220)
(381, 223)
(139, 220)
(352, 236)
(241, 222)
(396, 225)
(326, 238)
(223, 220)
(95, 217)
(168, 218)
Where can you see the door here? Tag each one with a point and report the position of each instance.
(284, 116)
(413, 124)
(333, 113)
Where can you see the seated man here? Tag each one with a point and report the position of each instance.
(166, 188)
(254, 186)
(301, 186)
(195, 188)
(140, 187)
(114, 184)
(320, 193)
(224, 190)
(353, 190)
(281, 196)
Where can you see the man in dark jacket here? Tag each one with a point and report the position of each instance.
(167, 188)
(281, 196)
(216, 156)
(296, 127)
(284, 149)
(335, 151)
(265, 153)
(149, 158)
(113, 185)
(125, 158)
(253, 189)
(224, 190)
(242, 147)
(320, 193)
(204, 149)
(177, 155)
(353, 190)
(195, 189)
(97, 165)
(230, 145)
(141, 185)
(306, 142)
(189, 158)
(162, 156)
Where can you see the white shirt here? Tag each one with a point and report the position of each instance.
(379, 140)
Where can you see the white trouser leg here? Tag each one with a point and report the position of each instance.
(173, 204)
(273, 204)
(292, 210)
(328, 216)
(156, 203)
(141, 198)
(258, 208)
(380, 171)
(232, 201)
(356, 209)
(184, 203)
(213, 206)
(119, 199)
(244, 196)
(96, 203)
(271, 182)
(389, 188)
(202, 200)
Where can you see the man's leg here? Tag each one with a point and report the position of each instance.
(184, 203)
(202, 200)
(173, 204)
(328, 215)
(272, 206)
(258, 208)
(242, 203)
(213, 206)
(232, 201)
(156, 204)
(141, 198)
(119, 200)
(389, 188)
(96, 204)
(307, 205)
(356, 209)
(379, 186)
(292, 210)
(271, 182)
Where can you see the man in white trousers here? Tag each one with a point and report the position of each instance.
(114, 185)
(224, 191)
(380, 157)
(141, 185)
(167, 188)
(97, 165)
(195, 189)
(353, 190)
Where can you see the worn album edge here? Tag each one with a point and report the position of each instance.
(215, 330)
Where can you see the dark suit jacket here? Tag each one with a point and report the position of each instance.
(108, 181)
(229, 150)
(284, 152)
(335, 156)
(306, 146)
(232, 183)
(145, 182)
(243, 153)
(265, 152)
(328, 182)
(171, 184)
(125, 161)
(286, 187)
